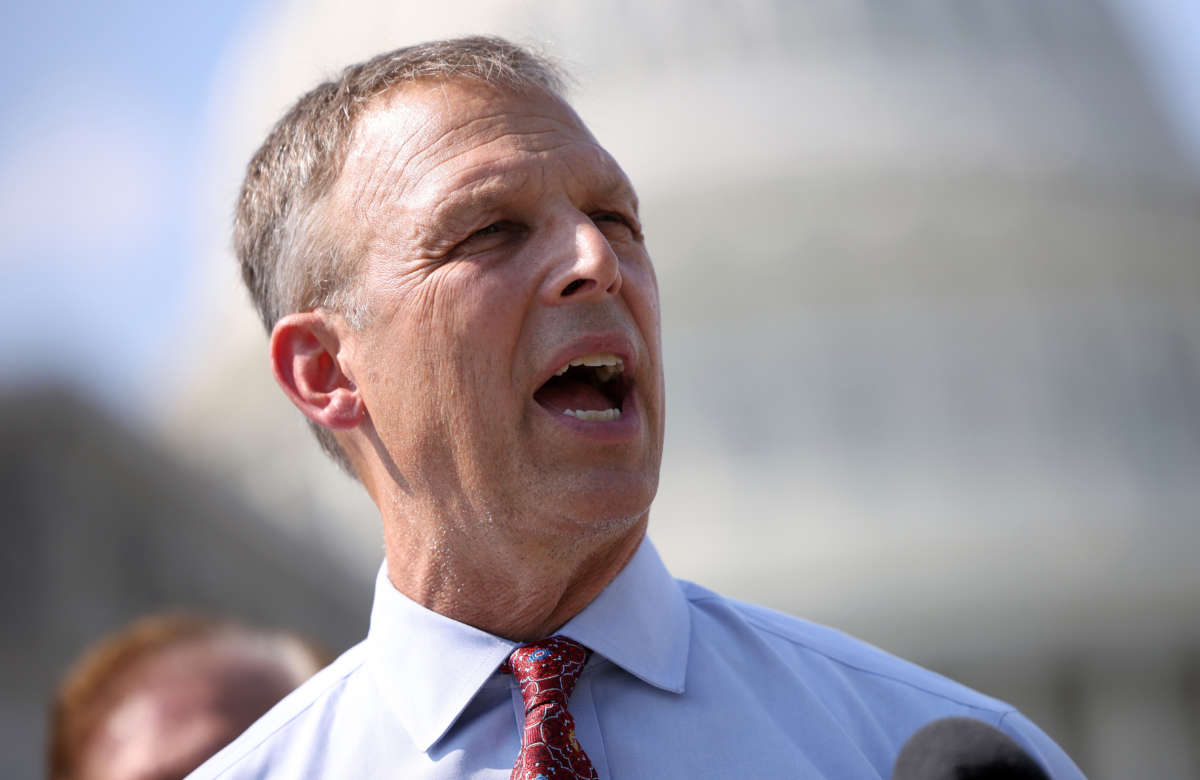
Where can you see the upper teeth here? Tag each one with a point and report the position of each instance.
(595, 415)
(607, 365)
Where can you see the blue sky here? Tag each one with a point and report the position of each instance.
(100, 145)
(1166, 37)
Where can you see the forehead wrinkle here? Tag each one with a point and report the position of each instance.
(527, 150)
(380, 177)
(435, 145)
(602, 184)
(501, 117)
(503, 165)
(480, 193)
(369, 193)
(486, 184)
(469, 145)
(609, 183)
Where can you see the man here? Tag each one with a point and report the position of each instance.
(460, 300)
(155, 700)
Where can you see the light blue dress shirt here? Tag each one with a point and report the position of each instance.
(682, 683)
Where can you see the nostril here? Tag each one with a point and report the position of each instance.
(574, 287)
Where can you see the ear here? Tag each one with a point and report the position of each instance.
(304, 358)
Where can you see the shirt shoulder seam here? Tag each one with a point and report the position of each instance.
(760, 624)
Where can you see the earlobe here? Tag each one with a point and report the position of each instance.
(304, 358)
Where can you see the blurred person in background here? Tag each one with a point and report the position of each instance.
(156, 699)
(459, 298)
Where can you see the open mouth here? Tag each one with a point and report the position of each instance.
(591, 387)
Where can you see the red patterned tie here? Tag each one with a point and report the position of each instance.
(547, 671)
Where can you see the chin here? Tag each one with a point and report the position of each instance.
(609, 507)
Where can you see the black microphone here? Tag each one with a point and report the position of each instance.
(964, 749)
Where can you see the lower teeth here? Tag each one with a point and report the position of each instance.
(607, 415)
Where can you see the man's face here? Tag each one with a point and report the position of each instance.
(502, 243)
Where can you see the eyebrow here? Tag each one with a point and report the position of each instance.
(478, 195)
(492, 190)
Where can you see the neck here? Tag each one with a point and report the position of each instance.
(501, 582)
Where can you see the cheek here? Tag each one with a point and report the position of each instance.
(469, 326)
(642, 296)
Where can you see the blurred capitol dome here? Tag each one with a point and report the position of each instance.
(930, 286)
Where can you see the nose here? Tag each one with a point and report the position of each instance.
(589, 269)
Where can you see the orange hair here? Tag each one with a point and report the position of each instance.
(93, 686)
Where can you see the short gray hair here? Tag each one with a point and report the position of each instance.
(290, 260)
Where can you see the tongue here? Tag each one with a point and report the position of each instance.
(561, 393)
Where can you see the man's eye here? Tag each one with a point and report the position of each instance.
(491, 229)
(494, 236)
(614, 225)
(487, 236)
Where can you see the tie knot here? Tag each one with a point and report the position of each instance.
(547, 670)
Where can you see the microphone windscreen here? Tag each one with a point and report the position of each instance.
(964, 749)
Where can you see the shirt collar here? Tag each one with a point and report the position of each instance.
(640, 622)
(429, 666)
